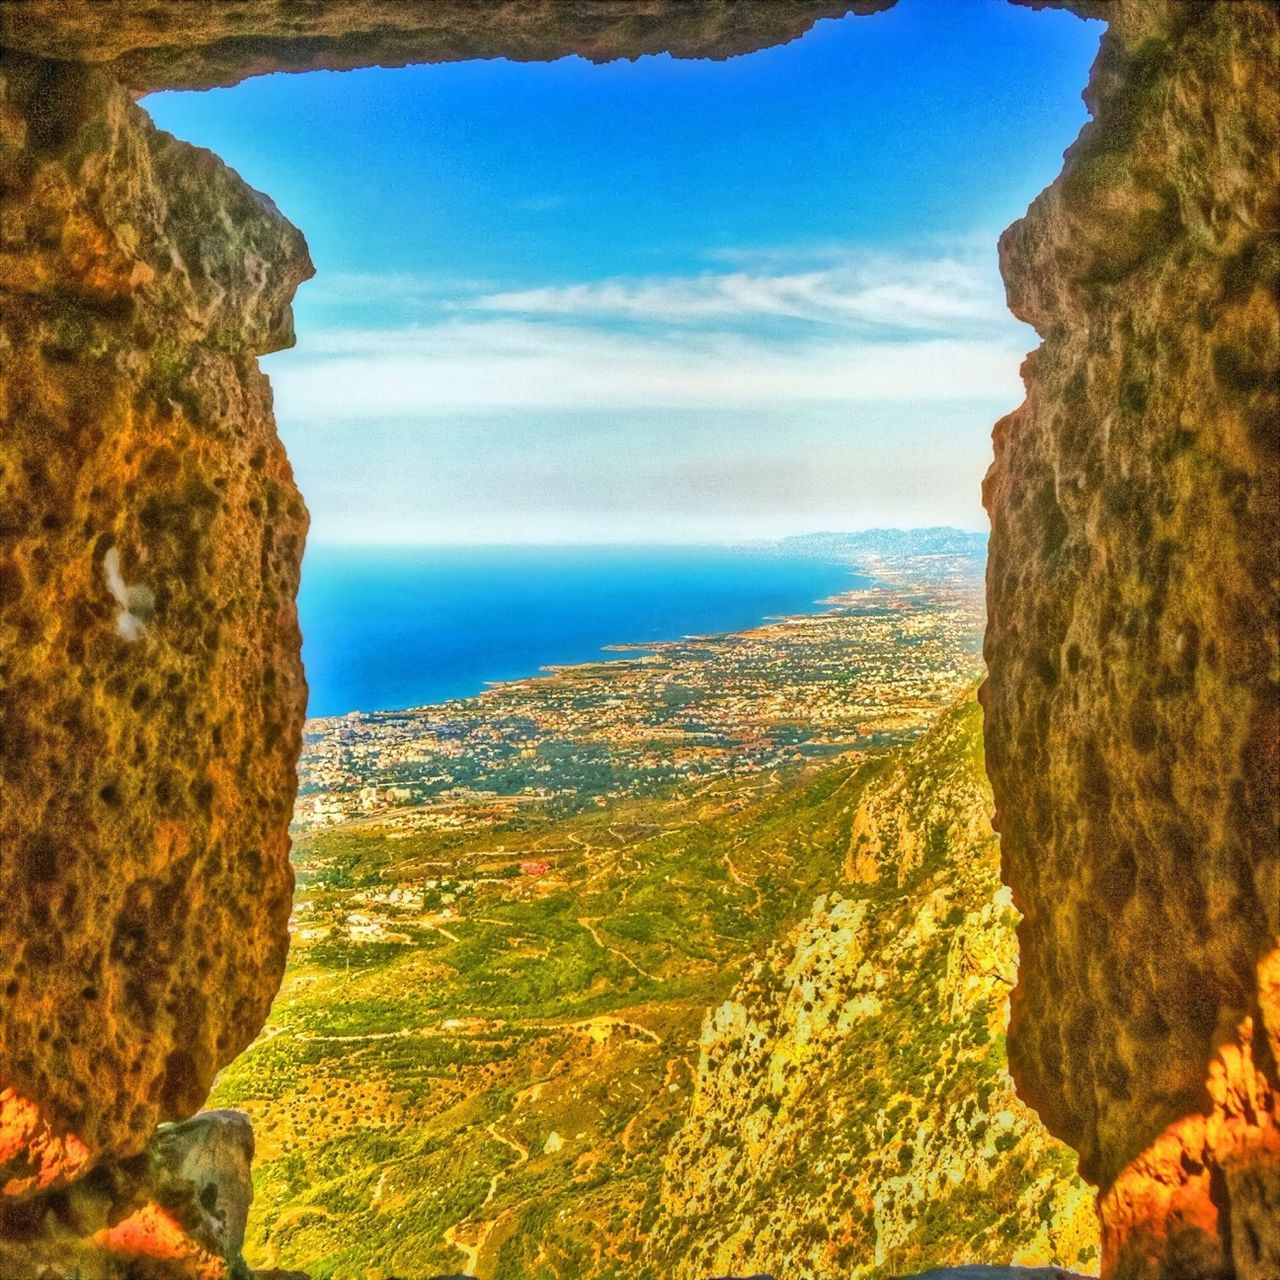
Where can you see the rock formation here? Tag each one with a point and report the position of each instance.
(175, 1212)
(193, 44)
(150, 537)
(852, 1113)
(1132, 646)
(153, 693)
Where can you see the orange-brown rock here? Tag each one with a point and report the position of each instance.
(175, 1212)
(150, 536)
(1132, 645)
(194, 44)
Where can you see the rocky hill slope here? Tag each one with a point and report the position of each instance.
(852, 1114)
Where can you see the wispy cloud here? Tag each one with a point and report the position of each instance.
(460, 366)
(837, 327)
(934, 296)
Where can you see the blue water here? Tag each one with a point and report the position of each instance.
(386, 629)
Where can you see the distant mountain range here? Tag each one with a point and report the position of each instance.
(938, 540)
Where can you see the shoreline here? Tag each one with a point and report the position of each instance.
(637, 649)
(868, 670)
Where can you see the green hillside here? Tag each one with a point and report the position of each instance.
(486, 1043)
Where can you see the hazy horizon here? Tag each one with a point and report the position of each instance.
(766, 539)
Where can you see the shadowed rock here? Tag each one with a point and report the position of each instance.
(193, 44)
(995, 1273)
(205, 1165)
(175, 1212)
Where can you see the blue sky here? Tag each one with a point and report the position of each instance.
(658, 300)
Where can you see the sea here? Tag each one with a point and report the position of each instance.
(386, 629)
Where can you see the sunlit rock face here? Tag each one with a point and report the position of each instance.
(1131, 705)
(150, 535)
(194, 44)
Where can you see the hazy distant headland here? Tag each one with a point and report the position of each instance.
(936, 540)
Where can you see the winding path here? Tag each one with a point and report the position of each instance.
(589, 926)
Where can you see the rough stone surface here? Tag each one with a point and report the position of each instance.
(191, 43)
(1132, 701)
(150, 536)
(175, 1212)
(206, 1162)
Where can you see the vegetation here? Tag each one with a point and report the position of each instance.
(473, 1062)
(490, 1048)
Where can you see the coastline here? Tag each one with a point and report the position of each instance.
(866, 672)
(416, 630)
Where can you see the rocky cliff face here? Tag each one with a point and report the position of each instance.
(852, 1112)
(149, 550)
(1131, 706)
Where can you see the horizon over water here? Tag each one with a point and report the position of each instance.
(386, 628)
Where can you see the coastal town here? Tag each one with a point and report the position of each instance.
(865, 673)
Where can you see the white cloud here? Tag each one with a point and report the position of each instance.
(463, 365)
(933, 295)
(825, 326)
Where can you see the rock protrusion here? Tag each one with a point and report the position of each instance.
(150, 539)
(177, 1211)
(852, 1114)
(205, 1164)
(192, 44)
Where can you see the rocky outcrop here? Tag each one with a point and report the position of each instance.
(175, 1212)
(193, 44)
(1132, 701)
(852, 1113)
(150, 536)
(206, 1162)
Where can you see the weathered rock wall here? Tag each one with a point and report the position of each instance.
(1131, 705)
(194, 44)
(150, 536)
